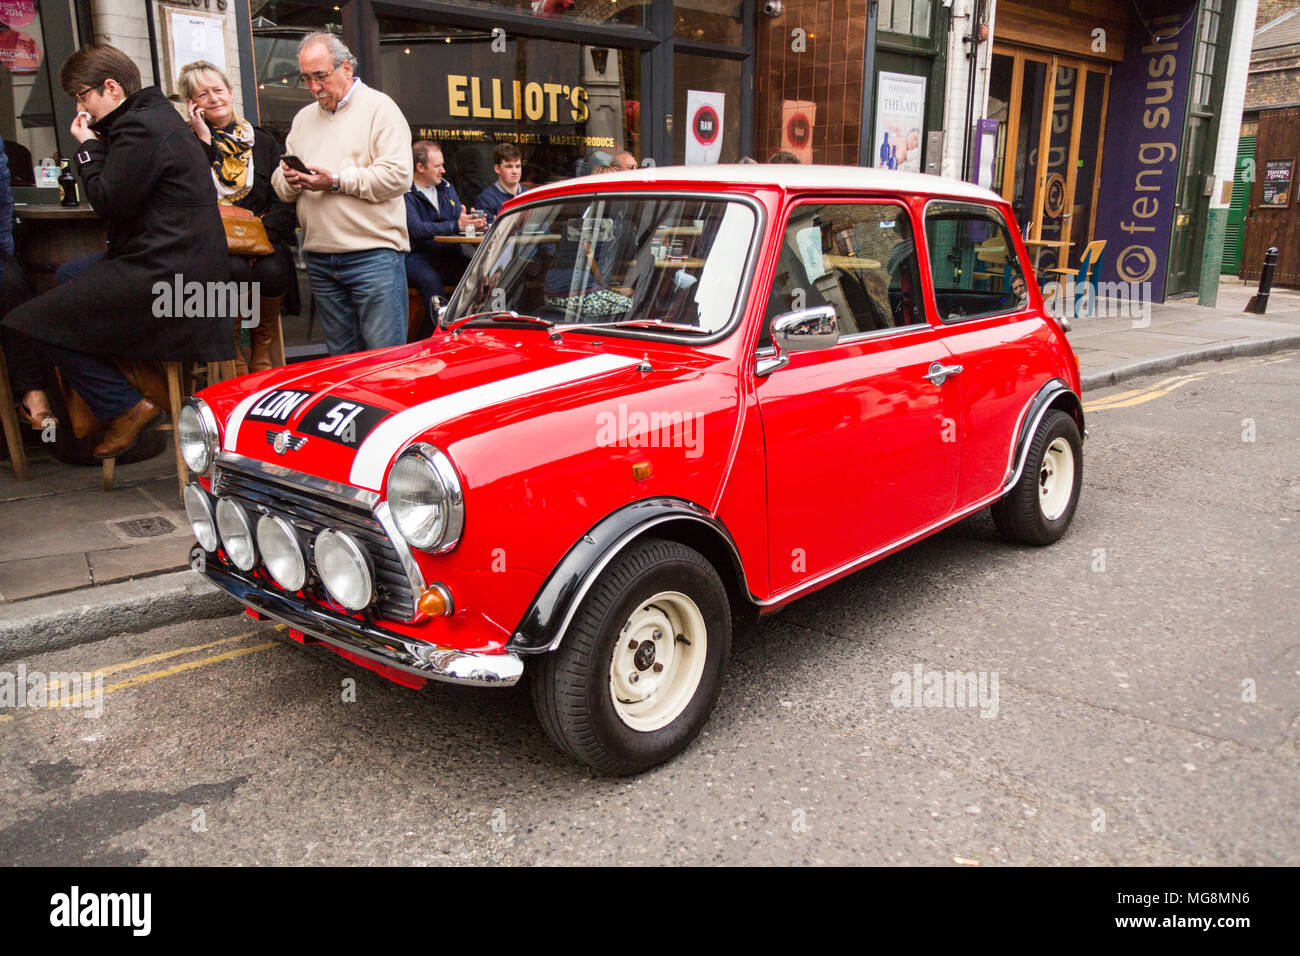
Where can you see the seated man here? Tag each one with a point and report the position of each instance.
(433, 209)
(145, 173)
(509, 166)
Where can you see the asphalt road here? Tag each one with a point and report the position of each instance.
(1146, 707)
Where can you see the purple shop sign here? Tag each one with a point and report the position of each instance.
(1144, 134)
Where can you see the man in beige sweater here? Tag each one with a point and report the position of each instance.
(357, 144)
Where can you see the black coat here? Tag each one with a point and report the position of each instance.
(148, 176)
(278, 217)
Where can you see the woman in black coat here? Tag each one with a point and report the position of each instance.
(145, 173)
(243, 157)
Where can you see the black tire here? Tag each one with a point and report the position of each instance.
(571, 688)
(1019, 514)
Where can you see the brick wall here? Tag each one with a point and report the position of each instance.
(1270, 10)
(828, 73)
(122, 23)
(1274, 82)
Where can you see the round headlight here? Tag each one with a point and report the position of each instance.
(236, 534)
(425, 498)
(196, 435)
(280, 552)
(344, 569)
(199, 511)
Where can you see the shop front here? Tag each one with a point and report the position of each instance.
(1048, 93)
(571, 83)
(1107, 119)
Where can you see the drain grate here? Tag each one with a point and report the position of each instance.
(150, 526)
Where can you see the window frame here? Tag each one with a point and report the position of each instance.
(747, 273)
(875, 199)
(934, 291)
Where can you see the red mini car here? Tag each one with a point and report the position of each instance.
(662, 403)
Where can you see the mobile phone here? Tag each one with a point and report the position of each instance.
(293, 162)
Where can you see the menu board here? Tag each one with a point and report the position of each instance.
(1277, 182)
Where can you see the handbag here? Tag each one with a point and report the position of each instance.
(245, 234)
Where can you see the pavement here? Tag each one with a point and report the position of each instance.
(79, 564)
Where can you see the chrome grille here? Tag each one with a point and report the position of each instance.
(311, 512)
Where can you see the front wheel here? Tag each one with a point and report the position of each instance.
(1038, 508)
(641, 666)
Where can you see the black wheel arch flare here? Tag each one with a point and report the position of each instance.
(1055, 393)
(543, 625)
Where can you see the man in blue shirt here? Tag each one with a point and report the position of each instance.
(509, 166)
(433, 209)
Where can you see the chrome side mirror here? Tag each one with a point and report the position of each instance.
(803, 331)
(806, 330)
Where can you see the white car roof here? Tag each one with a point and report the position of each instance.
(793, 177)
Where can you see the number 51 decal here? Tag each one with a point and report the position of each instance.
(341, 420)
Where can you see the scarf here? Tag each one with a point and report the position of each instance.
(233, 170)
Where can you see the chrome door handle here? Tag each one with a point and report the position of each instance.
(938, 374)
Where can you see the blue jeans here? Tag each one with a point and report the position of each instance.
(360, 298)
(97, 380)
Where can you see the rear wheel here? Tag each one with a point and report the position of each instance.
(1038, 508)
(640, 668)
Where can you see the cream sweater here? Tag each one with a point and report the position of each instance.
(368, 143)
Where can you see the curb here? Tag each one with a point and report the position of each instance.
(78, 617)
(1210, 353)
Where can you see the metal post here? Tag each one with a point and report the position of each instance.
(1259, 301)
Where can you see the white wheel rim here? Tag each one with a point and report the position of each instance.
(658, 661)
(1056, 479)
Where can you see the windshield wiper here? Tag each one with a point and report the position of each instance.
(556, 330)
(498, 315)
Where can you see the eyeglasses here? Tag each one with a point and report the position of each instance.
(320, 76)
(77, 99)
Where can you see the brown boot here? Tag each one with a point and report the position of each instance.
(259, 353)
(124, 429)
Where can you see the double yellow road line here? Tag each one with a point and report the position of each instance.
(226, 654)
(1137, 396)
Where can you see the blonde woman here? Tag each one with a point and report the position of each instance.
(243, 157)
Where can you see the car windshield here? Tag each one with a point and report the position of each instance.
(679, 260)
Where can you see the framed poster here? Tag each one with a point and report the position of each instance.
(797, 120)
(704, 113)
(900, 121)
(1277, 182)
(190, 37)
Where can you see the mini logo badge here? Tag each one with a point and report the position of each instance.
(284, 441)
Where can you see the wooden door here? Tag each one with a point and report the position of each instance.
(1278, 139)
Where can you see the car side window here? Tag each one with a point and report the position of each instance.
(859, 258)
(973, 261)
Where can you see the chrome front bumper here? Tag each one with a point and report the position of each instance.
(415, 657)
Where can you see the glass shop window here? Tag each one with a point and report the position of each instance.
(569, 107)
(26, 86)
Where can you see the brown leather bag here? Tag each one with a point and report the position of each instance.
(245, 234)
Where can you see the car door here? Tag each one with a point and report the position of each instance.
(989, 325)
(861, 448)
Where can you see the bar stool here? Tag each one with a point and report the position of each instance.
(177, 391)
(12, 427)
